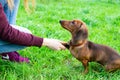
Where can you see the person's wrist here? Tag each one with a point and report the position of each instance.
(45, 42)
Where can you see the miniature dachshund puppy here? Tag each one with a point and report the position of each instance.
(87, 51)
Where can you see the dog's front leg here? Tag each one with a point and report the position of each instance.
(85, 64)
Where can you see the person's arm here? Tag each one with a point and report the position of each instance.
(7, 33)
(12, 35)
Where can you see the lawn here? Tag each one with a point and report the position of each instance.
(103, 20)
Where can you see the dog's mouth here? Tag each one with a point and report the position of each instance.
(64, 25)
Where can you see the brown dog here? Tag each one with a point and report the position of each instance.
(87, 51)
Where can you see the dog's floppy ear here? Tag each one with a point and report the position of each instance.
(80, 25)
(81, 34)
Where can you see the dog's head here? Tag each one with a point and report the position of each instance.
(77, 28)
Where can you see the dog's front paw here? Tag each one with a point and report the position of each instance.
(66, 45)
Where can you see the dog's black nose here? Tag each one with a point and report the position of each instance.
(60, 21)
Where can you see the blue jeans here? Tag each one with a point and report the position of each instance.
(11, 17)
(8, 47)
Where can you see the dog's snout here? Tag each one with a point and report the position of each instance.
(61, 21)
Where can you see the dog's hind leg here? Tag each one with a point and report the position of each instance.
(114, 65)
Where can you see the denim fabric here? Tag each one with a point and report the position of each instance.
(11, 15)
(10, 48)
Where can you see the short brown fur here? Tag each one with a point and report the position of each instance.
(87, 51)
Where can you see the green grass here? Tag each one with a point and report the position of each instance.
(103, 20)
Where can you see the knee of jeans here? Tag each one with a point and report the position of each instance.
(3, 42)
(22, 29)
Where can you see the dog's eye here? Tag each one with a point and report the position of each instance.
(73, 22)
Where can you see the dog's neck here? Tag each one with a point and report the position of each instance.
(81, 43)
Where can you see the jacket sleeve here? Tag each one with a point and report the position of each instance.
(12, 35)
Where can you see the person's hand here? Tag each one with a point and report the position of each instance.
(53, 44)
